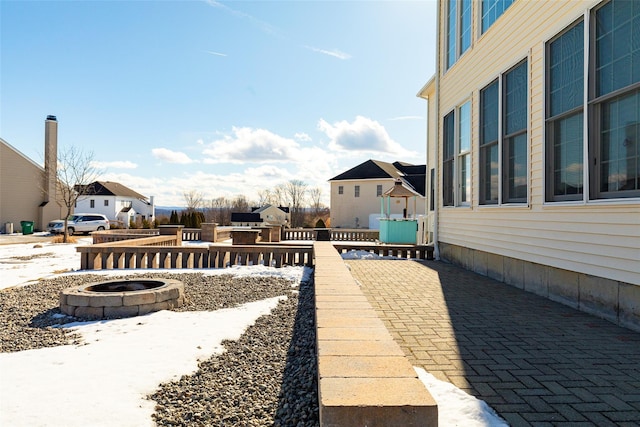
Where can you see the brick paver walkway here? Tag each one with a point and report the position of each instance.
(536, 362)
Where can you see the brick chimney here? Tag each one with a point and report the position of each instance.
(50, 157)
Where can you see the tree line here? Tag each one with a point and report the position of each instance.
(304, 203)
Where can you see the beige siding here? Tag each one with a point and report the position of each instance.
(348, 211)
(597, 238)
(21, 191)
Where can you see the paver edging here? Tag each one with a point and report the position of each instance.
(364, 378)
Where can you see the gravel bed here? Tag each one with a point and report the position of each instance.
(266, 378)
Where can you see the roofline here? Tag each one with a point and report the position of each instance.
(428, 87)
(362, 179)
(20, 153)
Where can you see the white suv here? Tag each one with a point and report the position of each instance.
(80, 223)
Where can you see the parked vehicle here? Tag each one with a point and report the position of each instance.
(79, 223)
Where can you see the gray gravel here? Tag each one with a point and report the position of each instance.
(266, 378)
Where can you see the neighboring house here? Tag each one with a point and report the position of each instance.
(356, 195)
(28, 190)
(266, 215)
(116, 201)
(533, 148)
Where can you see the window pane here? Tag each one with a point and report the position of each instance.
(566, 71)
(489, 114)
(617, 46)
(447, 183)
(619, 154)
(448, 136)
(515, 99)
(452, 17)
(465, 25)
(567, 159)
(517, 167)
(465, 178)
(489, 173)
(465, 127)
(491, 11)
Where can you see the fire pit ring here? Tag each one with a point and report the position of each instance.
(121, 298)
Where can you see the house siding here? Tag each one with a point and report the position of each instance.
(21, 191)
(348, 211)
(599, 238)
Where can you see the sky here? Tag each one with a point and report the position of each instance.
(166, 342)
(222, 98)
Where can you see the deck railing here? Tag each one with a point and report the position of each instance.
(336, 234)
(354, 235)
(397, 251)
(137, 254)
(272, 255)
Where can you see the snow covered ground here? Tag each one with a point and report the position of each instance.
(58, 386)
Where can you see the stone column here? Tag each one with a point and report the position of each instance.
(168, 230)
(209, 231)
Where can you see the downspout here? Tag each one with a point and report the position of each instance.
(436, 174)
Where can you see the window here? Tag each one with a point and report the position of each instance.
(378, 190)
(106, 202)
(448, 156)
(565, 89)
(432, 192)
(458, 29)
(615, 101)
(491, 11)
(503, 138)
(514, 145)
(489, 144)
(612, 88)
(92, 203)
(464, 156)
(357, 191)
(340, 189)
(456, 164)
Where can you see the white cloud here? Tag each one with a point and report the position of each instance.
(118, 164)
(333, 52)
(301, 136)
(393, 119)
(361, 135)
(170, 156)
(262, 25)
(215, 53)
(251, 145)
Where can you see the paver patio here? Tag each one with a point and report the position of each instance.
(536, 362)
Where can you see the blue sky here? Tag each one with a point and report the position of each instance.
(224, 98)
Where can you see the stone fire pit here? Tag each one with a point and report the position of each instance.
(121, 298)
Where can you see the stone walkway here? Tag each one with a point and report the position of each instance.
(536, 362)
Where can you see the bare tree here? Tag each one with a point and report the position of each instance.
(315, 194)
(295, 191)
(278, 196)
(241, 204)
(193, 199)
(219, 211)
(265, 197)
(75, 176)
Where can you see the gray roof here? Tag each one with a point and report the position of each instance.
(414, 175)
(108, 188)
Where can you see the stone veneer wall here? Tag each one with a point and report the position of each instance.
(618, 302)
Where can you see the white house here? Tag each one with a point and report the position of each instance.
(118, 202)
(265, 215)
(533, 148)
